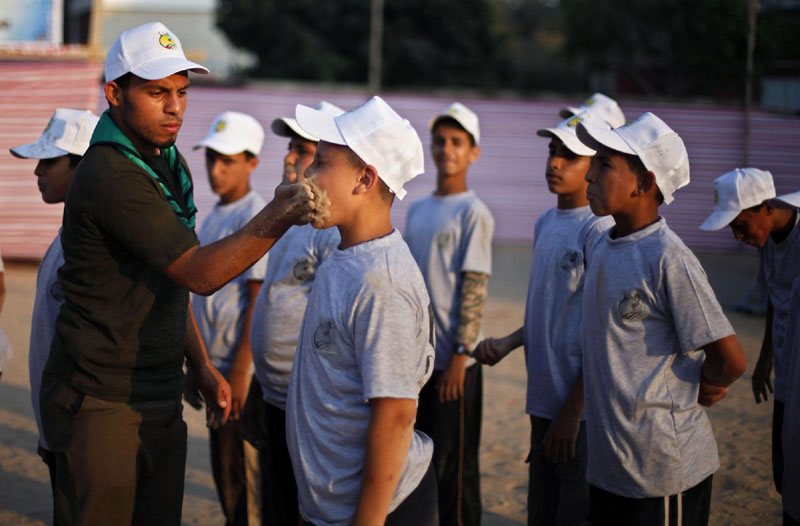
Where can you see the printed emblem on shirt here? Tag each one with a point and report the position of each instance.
(303, 269)
(323, 336)
(56, 292)
(632, 306)
(444, 239)
(572, 259)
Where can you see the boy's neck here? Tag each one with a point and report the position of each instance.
(365, 228)
(784, 222)
(232, 197)
(571, 201)
(454, 184)
(628, 223)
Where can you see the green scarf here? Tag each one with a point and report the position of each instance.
(107, 132)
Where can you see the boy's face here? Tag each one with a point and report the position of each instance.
(53, 177)
(752, 226)
(452, 149)
(298, 158)
(229, 175)
(565, 170)
(334, 173)
(612, 183)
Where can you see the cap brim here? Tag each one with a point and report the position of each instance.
(287, 127)
(319, 124)
(570, 141)
(37, 150)
(596, 137)
(792, 199)
(568, 111)
(166, 66)
(220, 146)
(719, 219)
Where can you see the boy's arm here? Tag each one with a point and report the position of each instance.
(725, 362)
(492, 350)
(470, 315)
(559, 441)
(240, 371)
(761, 374)
(205, 377)
(389, 434)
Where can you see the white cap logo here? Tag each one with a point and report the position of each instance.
(165, 39)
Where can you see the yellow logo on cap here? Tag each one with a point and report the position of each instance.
(590, 101)
(165, 39)
(573, 122)
(220, 126)
(452, 111)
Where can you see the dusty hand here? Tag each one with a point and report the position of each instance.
(491, 350)
(293, 204)
(761, 380)
(559, 441)
(451, 385)
(710, 394)
(240, 383)
(216, 392)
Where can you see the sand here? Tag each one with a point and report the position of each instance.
(743, 492)
(322, 205)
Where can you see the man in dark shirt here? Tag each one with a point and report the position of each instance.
(111, 392)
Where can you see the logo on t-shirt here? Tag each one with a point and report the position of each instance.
(632, 307)
(444, 239)
(572, 259)
(323, 335)
(303, 268)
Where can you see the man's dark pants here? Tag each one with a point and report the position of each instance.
(455, 428)
(115, 462)
(228, 469)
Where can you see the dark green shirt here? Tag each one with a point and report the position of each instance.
(120, 334)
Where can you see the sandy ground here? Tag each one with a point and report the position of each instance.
(743, 491)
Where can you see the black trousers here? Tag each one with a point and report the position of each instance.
(609, 509)
(115, 462)
(455, 428)
(777, 445)
(228, 468)
(558, 493)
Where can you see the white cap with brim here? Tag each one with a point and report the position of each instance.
(602, 107)
(233, 132)
(735, 191)
(792, 199)
(376, 134)
(68, 132)
(660, 149)
(565, 131)
(150, 51)
(464, 116)
(286, 126)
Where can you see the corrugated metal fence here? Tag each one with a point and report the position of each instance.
(509, 175)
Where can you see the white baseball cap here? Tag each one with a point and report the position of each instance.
(792, 199)
(463, 116)
(376, 133)
(69, 131)
(660, 149)
(565, 131)
(602, 106)
(735, 191)
(286, 126)
(232, 132)
(150, 51)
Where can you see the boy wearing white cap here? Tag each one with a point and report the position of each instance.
(111, 390)
(366, 343)
(601, 106)
(744, 199)
(450, 236)
(648, 311)
(278, 314)
(232, 146)
(58, 150)
(563, 240)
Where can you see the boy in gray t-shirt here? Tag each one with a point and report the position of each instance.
(745, 200)
(564, 237)
(366, 343)
(649, 320)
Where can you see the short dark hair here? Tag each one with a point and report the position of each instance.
(637, 166)
(450, 121)
(124, 81)
(74, 159)
(249, 155)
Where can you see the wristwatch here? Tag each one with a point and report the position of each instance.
(461, 349)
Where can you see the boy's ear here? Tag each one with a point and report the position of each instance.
(647, 182)
(113, 93)
(252, 162)
(767, 208)
(474, 153)
(367, 179)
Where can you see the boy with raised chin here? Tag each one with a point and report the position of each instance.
(366, 344)
(656, 344)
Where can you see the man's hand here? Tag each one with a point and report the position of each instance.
(492, 350)
(451, 385)
(559, 441)
(761, 378)
(293, 204)
(710, 394)
(216, 392)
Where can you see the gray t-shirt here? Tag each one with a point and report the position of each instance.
(791, 410)
(366, 334)
(647, 307)
(220, 316)
(781, 266)
(281, 302)
(448, 236)
(46, 304)
(562, 245)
